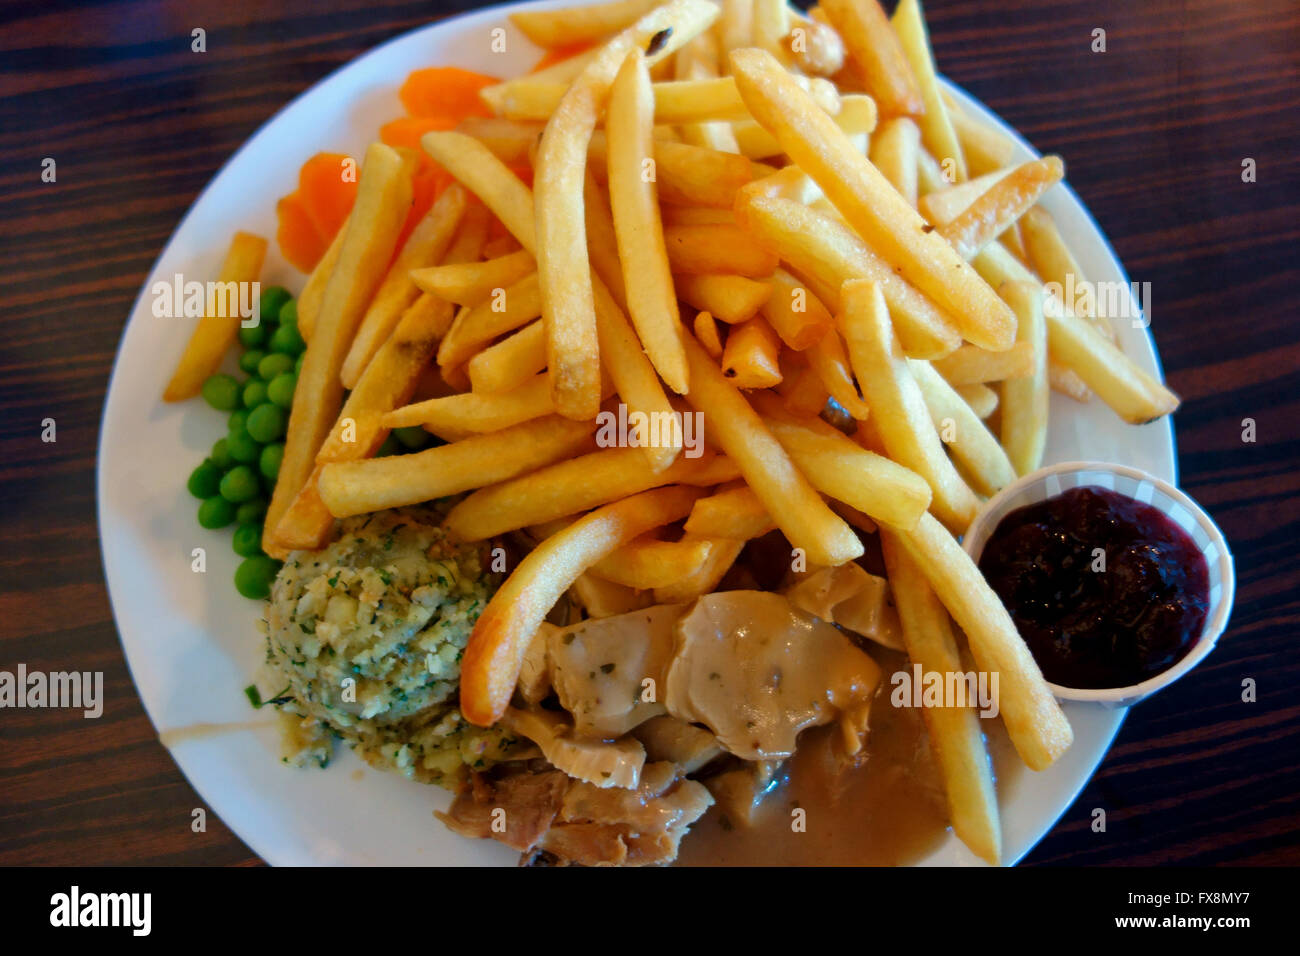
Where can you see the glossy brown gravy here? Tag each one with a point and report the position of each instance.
(887, 811)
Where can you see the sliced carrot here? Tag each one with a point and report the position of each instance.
(299, 241)
(445, 91)
(408, 130)
(327, 184)
(559, 54)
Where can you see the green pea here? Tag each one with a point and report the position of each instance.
(273, 364)
(297, 366)
(266, 423)
(289, 313)
(287, 340)
(239, 484)
(248, 361)
(271, 304)
(280, 390)
(269, 462)
(204, 480)
(221, 392)
(254, 575)
(238, 420)
(251, 336)
(251, 512)
(391, 446)
(216, 512)
(221, 455)
(243, 448)
(248, 540)
(413, 437)
(254, 395)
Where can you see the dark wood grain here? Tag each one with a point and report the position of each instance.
(1154, 131)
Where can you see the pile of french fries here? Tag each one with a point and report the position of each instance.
(778, 220)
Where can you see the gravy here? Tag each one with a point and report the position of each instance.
(889, 810)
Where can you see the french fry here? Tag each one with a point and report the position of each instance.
(504, 311)
(857, 116)
(954, 732)
(971, 365)
(1025, 400)
(1066, 381)
(830, 362)
(828, 254)
(602, 241)
(471, 283)
(698, 60)
(601, 598)
(696, 250)
(945, 204)
(840, 468)
(894, 150)
(750, 357)
(573, 25)
(870, 203)
(771, 27)
(509, 140)
(706, 331)
(1049, 256)
(801, 389)
(981, 399)
(475, 167)
(685, 174)
(501, 246)
(788, 496)
(696, 216)
(314, 291)
(983, 148)
(383, 200)
(648, 563)
(426, 244)
(936, 128)
(734, 513)
(470, 239)
(875, 55)
(729, 298)
(216, 332)
(900, 411)
(1005, 202)
(651, 301)
(510, 362)
(572, 486)
(736, 28)
(633, 376)
(930, 176)
(356, 487)
(722, 555)
(795, 313)
(821, 52)
(460, 414)
(563, 262)
(1133, 394)
(1034, 721)
(971, 444)
(499, 641)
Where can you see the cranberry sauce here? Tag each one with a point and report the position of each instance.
(1092, 623)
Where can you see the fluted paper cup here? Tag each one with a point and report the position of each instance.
(1137, 484)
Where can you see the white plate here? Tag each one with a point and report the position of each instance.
(190, 639)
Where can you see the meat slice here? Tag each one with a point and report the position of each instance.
(516, 809)
(687, 746)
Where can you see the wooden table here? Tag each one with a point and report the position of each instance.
(1154, 131)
